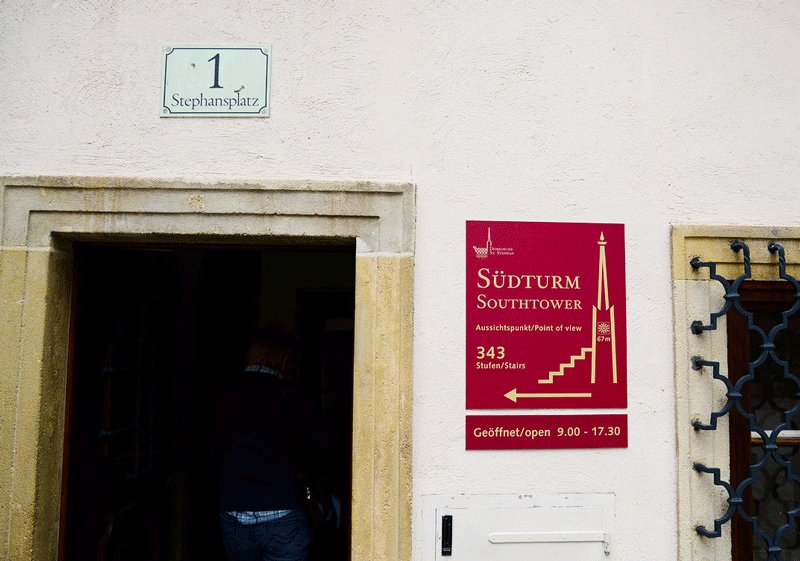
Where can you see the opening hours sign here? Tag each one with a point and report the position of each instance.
(545, 315)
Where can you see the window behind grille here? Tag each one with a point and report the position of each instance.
(768, 396)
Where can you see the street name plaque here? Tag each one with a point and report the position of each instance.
(216, 82)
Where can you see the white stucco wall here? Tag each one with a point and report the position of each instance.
(634, 112)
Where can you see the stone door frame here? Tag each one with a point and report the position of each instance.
(42, 217)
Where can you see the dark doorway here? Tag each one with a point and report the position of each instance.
(155, 331)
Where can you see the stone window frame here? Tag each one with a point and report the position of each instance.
(695, 296)
(41, 218)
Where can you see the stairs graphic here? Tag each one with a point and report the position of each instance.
(571, 364)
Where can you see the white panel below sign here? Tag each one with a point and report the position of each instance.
(518, 527)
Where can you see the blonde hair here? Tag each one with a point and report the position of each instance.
(273, 347)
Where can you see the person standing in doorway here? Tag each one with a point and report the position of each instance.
(263, 424)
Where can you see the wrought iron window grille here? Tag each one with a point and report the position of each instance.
(769, 439)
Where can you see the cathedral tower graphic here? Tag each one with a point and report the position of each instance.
(603, 348)
(483, 252)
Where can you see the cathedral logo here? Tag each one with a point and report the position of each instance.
(489, 249)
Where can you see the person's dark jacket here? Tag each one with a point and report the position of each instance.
(262, 426)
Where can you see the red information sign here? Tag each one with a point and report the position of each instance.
(534, 432)
(545, 315)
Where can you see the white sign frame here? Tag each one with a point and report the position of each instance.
(216, 81)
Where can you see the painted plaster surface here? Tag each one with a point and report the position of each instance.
(647, 114)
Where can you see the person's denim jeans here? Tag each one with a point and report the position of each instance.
(286, 539)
